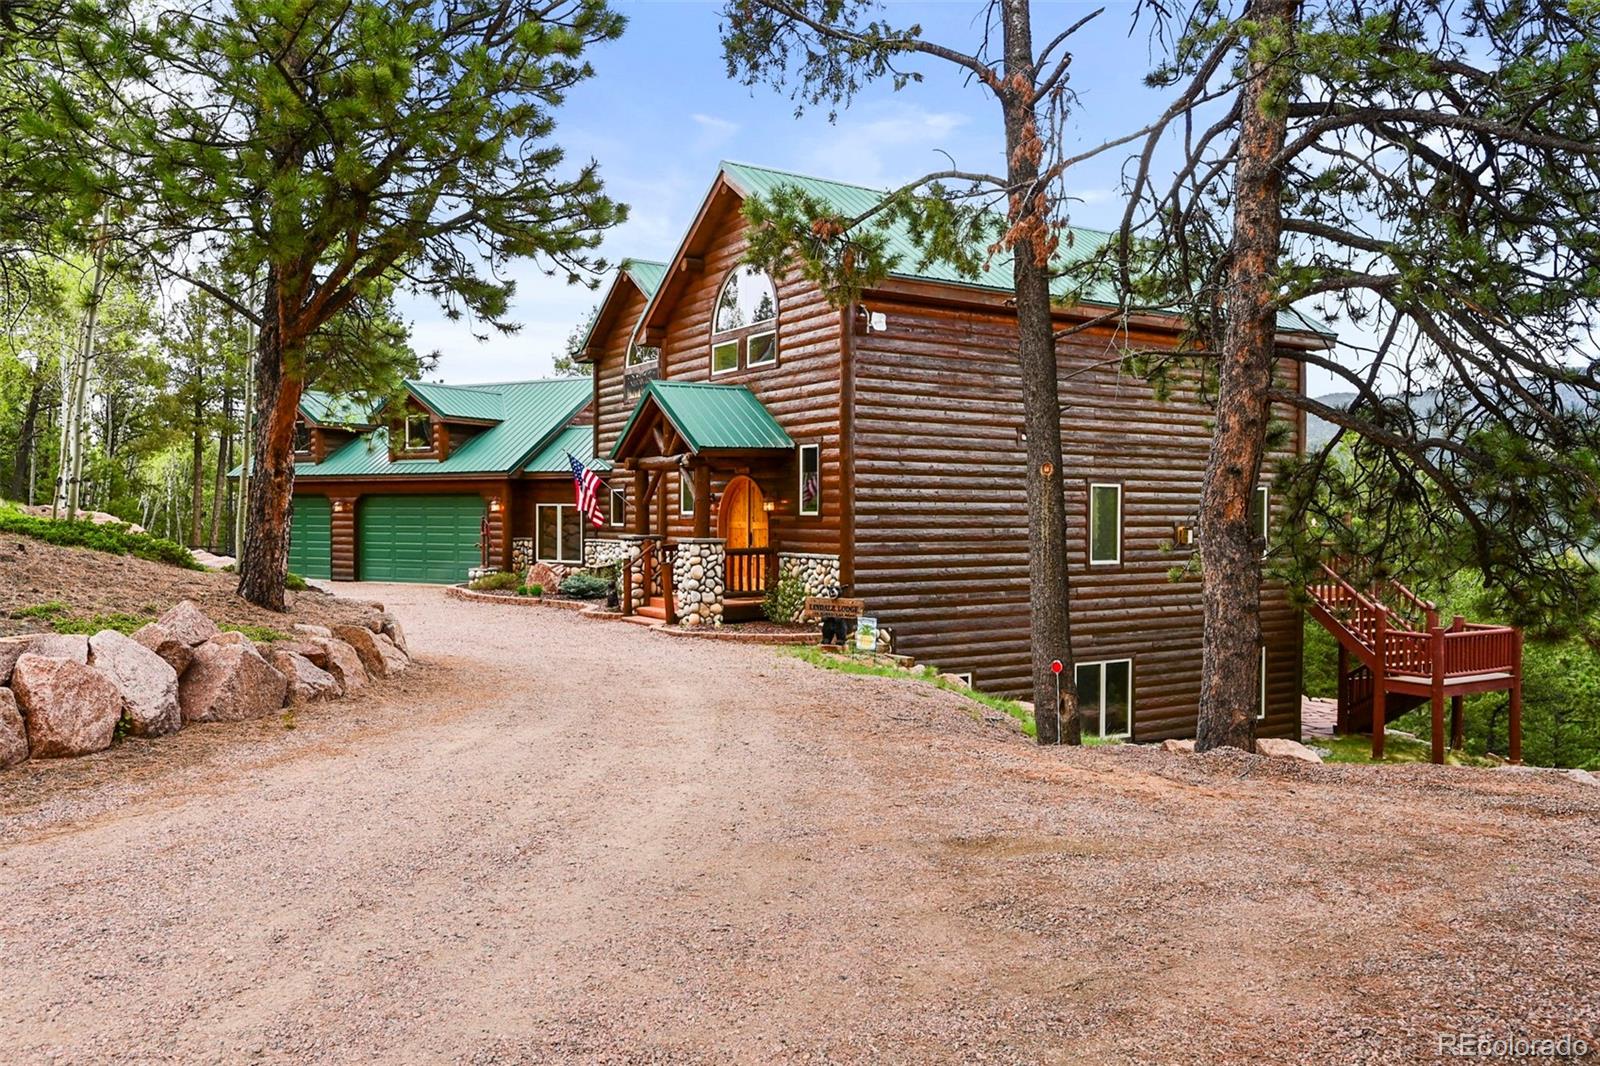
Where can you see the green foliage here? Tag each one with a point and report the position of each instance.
(496, 582)
(257, 633)
(850, 665)
(48, 609)
(534, 590)
(113, 538)
(785, 599)
(1358, 749)
(119, 621)
(585, 586)
(294, 582)
(1320, 659)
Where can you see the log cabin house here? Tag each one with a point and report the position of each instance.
(758, 431)
(456, 477)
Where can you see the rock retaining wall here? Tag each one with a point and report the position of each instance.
(65, 696)
(698, 581)
(597, 552)
(819, 574)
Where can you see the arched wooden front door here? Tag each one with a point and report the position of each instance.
(742, 523)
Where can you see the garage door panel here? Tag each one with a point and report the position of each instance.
(425, 539)
(311, 538)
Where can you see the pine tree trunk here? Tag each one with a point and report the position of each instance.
(1230, 547)
(23, 467)
(1041, 408)
(264, 560)
(219, 488)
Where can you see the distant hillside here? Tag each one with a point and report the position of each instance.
(1320, 431)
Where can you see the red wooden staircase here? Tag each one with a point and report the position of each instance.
(1395, 656)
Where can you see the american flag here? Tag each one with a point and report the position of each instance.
(588, 486)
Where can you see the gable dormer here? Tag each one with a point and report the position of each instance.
(325, 423)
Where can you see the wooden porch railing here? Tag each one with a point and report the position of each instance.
(749, 571)
(654, 566)
(1461, 657)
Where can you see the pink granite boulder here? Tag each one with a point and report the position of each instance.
(13, 731)
(159, 639)
(148, 683)
(188, 623)
(307, 682)
(229, 683)
(69, 708)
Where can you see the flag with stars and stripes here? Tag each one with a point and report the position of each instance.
(588, 486)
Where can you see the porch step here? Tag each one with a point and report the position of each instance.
(656, 608)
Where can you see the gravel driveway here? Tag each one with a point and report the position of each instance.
(568, 840)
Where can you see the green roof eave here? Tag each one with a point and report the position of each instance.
(710, 417)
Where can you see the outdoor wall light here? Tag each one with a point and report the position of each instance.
(768, 506)
(494, 504)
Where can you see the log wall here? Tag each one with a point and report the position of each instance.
(941, 539)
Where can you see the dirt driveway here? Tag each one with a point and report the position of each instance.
(566, 840)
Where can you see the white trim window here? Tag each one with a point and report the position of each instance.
(1105, 697)
(1261, 514)
(761, 349)
(558, 534)
(744, 322)
(1105, 523)
(685, 493)
(1261, 707)
(619, 507)
(810, 488)
(418, 432)
(725, 357)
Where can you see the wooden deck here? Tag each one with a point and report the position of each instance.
(1404, 657)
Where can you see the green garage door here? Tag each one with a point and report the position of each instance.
(432, 539)
(311, 538)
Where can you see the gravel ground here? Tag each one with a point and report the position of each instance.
(565, 840)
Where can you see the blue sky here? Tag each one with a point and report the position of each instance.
(661, 113)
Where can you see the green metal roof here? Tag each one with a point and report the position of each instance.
(577, 441)
(478, 403)
(326, 409)
(711, 416)
(1077, 244)
(532, 413)
(646, 273)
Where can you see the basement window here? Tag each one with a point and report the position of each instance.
(1105, 524)
(559, 534)
(1105, 698)
(1261, 708)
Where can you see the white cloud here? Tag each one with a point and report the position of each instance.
(893, 141)
(713, 130)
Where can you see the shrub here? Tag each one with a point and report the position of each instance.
(585, 586)
(531, 590)
(502, 582)
(113, 538)
(294, 582)
(784, 600)
(122, 623)
(48, 609)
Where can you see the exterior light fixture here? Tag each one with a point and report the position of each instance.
(768, 506)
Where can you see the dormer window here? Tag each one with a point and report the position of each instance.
(302, 437)
(418, 433)
(744, 325)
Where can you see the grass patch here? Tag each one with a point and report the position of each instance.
(257, 634)
(294, 582)
(926, 674)
(501, 582)
(48, 609)
(1358, 749)
(122, 623)
(111, 538)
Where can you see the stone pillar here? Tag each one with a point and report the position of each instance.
(698, 580)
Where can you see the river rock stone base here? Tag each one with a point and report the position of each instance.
(698, 581)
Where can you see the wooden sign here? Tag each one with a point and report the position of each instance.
(834, 607)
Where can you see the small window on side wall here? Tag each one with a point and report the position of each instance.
(810, 479)
(1105, 524)
(1105, 697)
(685, 492)
(619, 507)
(1261, 513)
(1261, 708)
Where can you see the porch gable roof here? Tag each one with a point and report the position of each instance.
(708, 417)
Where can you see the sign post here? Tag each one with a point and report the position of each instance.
(1056, 668)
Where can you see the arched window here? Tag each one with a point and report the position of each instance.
(744, 323)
